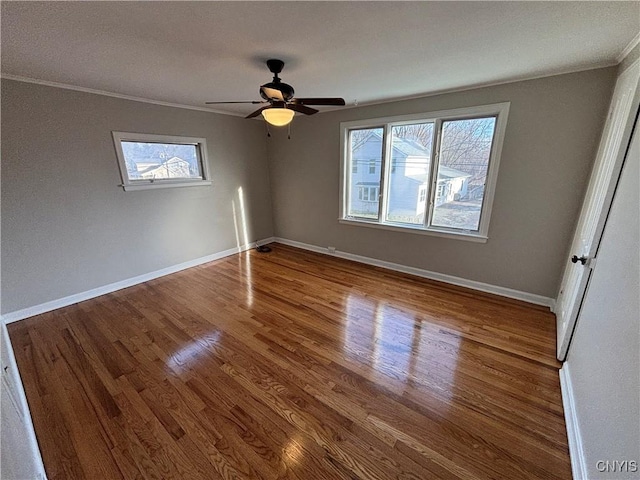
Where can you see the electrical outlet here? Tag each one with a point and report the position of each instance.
(331, 249)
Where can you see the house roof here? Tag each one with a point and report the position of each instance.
(446, 173)
(410, 148)
(155, 166)
(407, 147)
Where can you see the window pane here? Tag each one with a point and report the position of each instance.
(147, 161)
(462, 172)
(366, 164)
(409, 175)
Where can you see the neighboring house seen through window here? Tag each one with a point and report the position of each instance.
(423, 194)
(157, 161)
(368, 194)
(437, 170)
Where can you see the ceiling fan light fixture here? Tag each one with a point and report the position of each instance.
(278, 117)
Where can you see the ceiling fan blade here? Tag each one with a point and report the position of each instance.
(254, 102)
(318, 101)
(301, 108)
(257, 112)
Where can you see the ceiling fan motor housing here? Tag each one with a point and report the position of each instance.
(279, 95)
(276, 89)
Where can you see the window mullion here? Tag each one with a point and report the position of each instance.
(347, 173)
(384, 174)
(435, 160)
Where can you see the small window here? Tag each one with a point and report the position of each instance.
(368, 194)
(157, 161)
(437, 173)
(423, 195)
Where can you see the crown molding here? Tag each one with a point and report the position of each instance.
(627, 50)
(105, 93)
(523, 78)
(355, 104)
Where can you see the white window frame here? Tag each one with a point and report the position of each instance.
(153, 183)
(498, 110)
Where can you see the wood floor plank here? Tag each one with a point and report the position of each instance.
(294, 365)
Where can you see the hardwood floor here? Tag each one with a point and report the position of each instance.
(294, 365)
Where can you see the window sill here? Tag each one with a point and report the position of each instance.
(155, 185)
(470, 237)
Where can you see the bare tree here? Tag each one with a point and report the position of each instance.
(466, 146)
(362, 136)
(421, 133)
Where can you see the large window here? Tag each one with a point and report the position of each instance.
(156, 161)
(431, 173)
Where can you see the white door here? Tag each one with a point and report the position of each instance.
(606, 171)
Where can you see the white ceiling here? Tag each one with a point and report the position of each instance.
(191, 52)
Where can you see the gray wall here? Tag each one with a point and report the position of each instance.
(66, 225)
(604, 358)
(551, 139)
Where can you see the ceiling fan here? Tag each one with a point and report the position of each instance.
(280, 104)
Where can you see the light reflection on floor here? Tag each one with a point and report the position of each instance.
(293, 450)
(247, 277)
(181, 360)
(242, 242)
(392, 342)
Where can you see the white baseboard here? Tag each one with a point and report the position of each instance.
(20, 397)
(129, 282)
(462, 282)
(96, 292)
(576, 452)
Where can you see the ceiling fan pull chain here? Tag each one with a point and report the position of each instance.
(289, 132)
(268, 132)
